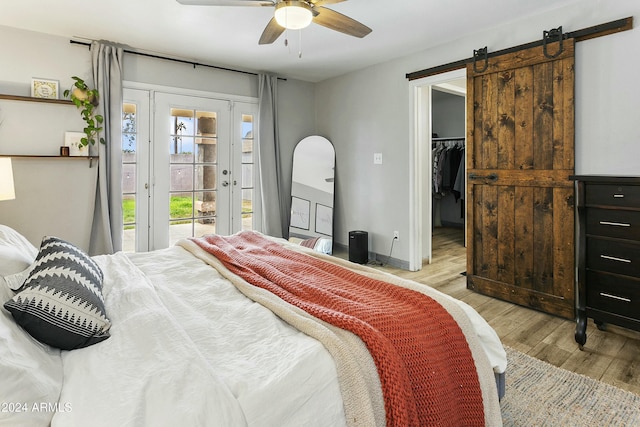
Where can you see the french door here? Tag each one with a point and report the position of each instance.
(201, 173)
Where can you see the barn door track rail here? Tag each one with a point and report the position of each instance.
(551, 36)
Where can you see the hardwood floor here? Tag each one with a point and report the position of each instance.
(611, 356)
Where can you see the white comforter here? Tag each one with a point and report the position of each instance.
(188, 349)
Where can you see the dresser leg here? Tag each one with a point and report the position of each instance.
(600, 324)
(581, 329)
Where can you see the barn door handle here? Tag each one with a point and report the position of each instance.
(491, 177)
(549, 37)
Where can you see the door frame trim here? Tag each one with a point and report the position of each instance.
(421, 165)
(189, 92)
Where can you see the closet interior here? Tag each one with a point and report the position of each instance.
(448, 118)
(448, 181)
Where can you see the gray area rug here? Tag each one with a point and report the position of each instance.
(540, 394)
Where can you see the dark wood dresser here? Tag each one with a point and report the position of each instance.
(608, 209)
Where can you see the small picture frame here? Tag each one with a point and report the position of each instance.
(44, 88)
(324, 219)
(72, 140)
(300, 213)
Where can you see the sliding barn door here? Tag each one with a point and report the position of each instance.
(520, 154)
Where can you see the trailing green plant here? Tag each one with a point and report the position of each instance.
(86, 100)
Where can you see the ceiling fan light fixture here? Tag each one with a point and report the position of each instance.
(293, 15)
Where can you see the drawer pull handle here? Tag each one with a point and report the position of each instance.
(617, 224)
(612, 258)
(618, 196)
(602, 294)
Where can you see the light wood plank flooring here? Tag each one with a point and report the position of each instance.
(611, 356)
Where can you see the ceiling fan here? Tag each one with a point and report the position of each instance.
(294, 15)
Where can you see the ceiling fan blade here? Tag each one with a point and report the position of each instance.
(271, 32)
(339, 22)
(227, 2)
(318, 3)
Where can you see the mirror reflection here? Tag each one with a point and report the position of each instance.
(312, 194)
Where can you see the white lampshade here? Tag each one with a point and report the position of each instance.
(7, 191)
(293, 15)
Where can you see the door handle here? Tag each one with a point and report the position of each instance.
(491, 177)
(225, 183)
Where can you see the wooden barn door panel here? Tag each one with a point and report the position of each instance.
(520, 154)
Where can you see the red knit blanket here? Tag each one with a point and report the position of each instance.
(425, 366)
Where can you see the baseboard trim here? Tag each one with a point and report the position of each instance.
(374, 258)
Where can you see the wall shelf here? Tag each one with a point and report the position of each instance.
(48, 156)
(33, 99)
(44, 156)
(51, 156)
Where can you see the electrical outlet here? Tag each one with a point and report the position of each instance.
(396, 235)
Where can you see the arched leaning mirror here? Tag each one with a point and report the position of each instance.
(312, 194)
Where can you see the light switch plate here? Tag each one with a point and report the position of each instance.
(377, 158)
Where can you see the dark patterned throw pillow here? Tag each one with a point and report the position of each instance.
(60, 302)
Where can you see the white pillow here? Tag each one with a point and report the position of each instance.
(12, 261)
(16, 252)
(31, 373)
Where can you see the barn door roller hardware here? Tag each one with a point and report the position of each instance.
(600, 30)
(480, 54)
(551, 36)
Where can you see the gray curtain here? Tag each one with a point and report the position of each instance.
(275, 204)
(106, 230)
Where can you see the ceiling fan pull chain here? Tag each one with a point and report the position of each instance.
(300, 44)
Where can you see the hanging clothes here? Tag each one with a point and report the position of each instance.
(448, 167)
(458, 185)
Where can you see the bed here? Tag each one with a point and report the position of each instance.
(319, 244)
(179, 337)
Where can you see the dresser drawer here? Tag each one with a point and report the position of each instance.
(612, 195)
(614, 256)
(613, 294)
(613, 223)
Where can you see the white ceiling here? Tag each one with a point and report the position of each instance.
(228, 36)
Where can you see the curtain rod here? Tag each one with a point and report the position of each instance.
(182, 61)
(579, 35)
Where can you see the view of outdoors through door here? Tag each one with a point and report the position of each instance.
(135, 170)
(193, 164)
(195, 193)
(203, 171)
(247, 186)
(129, 169)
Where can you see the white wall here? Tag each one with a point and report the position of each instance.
(54, 196)
(296, 104)
(368, 111)
(448, 114)
(360, 113)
